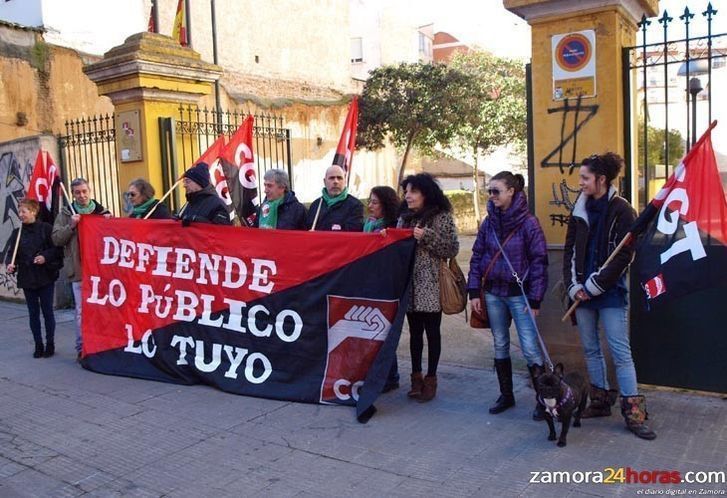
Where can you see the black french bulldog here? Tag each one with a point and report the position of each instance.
(563, 397)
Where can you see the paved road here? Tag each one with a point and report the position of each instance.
(65, 431)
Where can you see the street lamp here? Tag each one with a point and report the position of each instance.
(693, 69)
(695, 86)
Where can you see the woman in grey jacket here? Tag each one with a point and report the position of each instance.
(429, 213)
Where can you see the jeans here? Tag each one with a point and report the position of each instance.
(77, 298)
(614, 324)
(499, 310)
(37, 300)
(420, 321)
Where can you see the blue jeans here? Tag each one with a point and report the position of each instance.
(617, 337)
(76, 286)
(37, 300)
(499, 310)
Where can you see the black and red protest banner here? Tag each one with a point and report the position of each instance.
(301, 316)
(684, 243)
(238, 163)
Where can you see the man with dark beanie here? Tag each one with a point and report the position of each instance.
(203, 203)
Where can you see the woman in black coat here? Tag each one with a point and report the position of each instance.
(37, 263)
(141, 196)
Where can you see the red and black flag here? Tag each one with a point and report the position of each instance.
(287, 315)
(347, 142)
(44, 186)
(212, 157)
(684, 243)
(151, 25)
(238, 164)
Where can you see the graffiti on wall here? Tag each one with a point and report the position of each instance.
(14, 175)
(582, 114)
(564, 156)
(563, 196)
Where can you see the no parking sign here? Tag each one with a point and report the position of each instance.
(574, 64)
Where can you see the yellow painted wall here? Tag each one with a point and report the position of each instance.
(604, 132)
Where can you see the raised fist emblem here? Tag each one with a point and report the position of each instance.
(365, 322)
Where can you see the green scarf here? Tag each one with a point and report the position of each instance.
(373, 225)
(140, 210)
(270, 220)
(90, 208)
(331, 201)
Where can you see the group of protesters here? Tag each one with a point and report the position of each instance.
(508, 271)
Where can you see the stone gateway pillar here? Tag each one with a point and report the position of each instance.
(146, 78)
(577, 110)
(577, 92)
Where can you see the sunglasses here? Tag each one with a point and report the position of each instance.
(493, 191)
(130, 195)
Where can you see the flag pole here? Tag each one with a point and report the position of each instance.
(17, 243)
(68, 198)
(627, 238)
(315, 220)
(176, 184)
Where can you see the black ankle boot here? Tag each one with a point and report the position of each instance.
(504, 378)
(50, 350)
(38, 350)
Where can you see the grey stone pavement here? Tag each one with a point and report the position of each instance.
(65, 431)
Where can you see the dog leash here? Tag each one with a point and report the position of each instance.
(546, 356)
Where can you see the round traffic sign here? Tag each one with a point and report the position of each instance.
(573, 52)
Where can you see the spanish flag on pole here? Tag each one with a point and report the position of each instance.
(179, 32)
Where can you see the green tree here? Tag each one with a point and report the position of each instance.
(656, 146)
(493, 111)
(411, 104)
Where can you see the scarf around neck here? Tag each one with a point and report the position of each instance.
(90, 208)
(269, 213)
(373, 225)
(140, 210)
(331, 201)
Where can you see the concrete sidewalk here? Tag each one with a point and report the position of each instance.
(65, 431)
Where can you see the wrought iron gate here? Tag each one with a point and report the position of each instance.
(88, 150)
(679, 87)
(185, 138)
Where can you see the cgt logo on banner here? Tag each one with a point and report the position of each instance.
(269, 313)
(357, 328)
(684, 243)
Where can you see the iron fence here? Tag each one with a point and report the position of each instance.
(88, 150)
(676, 81)
(197, 128)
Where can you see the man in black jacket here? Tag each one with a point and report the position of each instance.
(336, 209)
(203, 203)
(280, 209)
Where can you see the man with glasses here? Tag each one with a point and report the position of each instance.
(65, 235)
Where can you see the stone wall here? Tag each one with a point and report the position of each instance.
(17, 158)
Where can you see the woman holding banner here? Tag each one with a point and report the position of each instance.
(383, 208)
(37, 262)
(599, 221)
(429, 213)
(141, 196)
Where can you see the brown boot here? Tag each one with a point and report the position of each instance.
(633, 408)
(601, 402)
(417, 383)
(430, 388)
